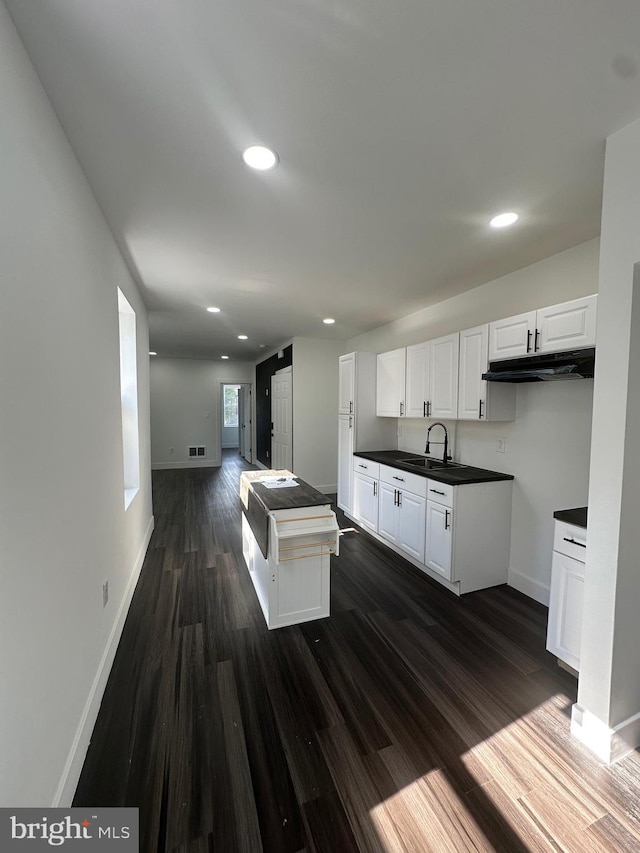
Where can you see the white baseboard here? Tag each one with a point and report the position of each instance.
(78, 752)
(528, 586)
(608, 744)
(260, 465)
(188, 463)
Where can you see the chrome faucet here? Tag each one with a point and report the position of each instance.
(445, 455)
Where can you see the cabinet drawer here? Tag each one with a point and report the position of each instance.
(403, 480)
(570, 540)
(441, 493)
(366, 466)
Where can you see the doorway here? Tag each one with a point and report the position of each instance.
(282, 419)
(236, 418)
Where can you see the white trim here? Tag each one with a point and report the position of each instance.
(195, 463)
(608, 744)
(77, 754)
(529, 586)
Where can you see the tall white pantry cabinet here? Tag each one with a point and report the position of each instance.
(358, 426)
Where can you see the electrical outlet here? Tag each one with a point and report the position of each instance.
(501, 444)
(105, 593)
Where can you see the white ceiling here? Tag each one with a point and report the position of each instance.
(401, 128)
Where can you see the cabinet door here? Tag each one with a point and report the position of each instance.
(411, 524)
(443, 377)
(565, 609)
(417, 381)
(346, 383)
(388, 512)
(345, 462)
(390, 380)
(512, 337)
(365, 501)
(474, 356)
(570, 325)
(439, 539)
(479, 400)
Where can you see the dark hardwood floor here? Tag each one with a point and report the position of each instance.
(407, 721)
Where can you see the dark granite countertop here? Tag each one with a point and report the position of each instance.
(290, 498)
(453, 476)
(576, 516)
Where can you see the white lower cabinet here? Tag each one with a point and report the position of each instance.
(415, 516)
(345, 463)
(401, 517)
(439, 539)
(567, 589)
(365, 500)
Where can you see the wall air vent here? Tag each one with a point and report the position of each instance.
(197, 451)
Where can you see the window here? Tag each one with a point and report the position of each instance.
(129, 399)
(231, 405)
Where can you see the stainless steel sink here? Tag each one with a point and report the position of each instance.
(424, 462)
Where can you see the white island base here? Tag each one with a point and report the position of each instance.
(293, 581)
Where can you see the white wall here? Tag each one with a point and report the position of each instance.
(63, 527)
(315, 411)
(547, 447)
(186, 408)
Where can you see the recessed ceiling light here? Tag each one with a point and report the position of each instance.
(503, 220)
(259, 157)
(224, 356)
(213, 310)
(329, 321)
(243, 338)
(152, 353)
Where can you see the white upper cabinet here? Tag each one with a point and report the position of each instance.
(443, 377)
(512, 337)
(390, 383)
(417, 381)
(570, 325)
(420, 381)
(479, 400)
(566, 326)
(346, 383)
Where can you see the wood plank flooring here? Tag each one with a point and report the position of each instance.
(407, 721)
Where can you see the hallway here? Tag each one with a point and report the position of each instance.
(407, 721)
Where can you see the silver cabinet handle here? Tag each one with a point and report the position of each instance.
(436, 492)
(536, 341)
(350, 407)
(399, 498)
(350, 421)
(446, 519)
(480, 409)
(574, 542)
(375, 488)
(401, 409)
(360, 465)
(529, 340)
(428, 408)
(398, 478)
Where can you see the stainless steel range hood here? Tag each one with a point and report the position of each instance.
(549, 367)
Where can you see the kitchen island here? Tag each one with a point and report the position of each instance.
(288, 535)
